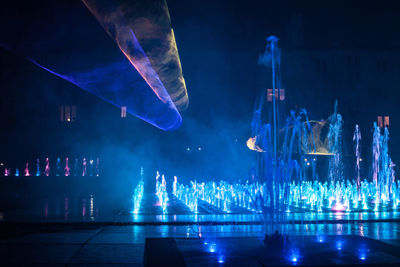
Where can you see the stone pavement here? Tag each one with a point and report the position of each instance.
(86, 244)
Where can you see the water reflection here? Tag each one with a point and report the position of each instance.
(89, 206)
(66, 208)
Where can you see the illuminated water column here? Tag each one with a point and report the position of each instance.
(161, 192)
(357, 147)
(137, 197)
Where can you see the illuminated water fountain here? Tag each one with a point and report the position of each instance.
(66, 169)
(26, 170)
(383, 168)
(137, 196)
(187, 194)
(312, 196)
(161, 192)
(58, 167)
(84, 167)
(47, 168)
(37, 167)
(357, 148)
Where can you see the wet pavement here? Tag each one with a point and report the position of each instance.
(107, 207)
(125, 244)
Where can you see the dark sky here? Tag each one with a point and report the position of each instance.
(219, 43)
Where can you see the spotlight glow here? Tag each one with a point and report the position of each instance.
(212, 248)
(339, 245)
(294, 256)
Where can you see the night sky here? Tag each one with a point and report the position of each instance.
(219, 43)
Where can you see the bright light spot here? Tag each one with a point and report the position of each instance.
(221, 259)
(339, 245)
(212, 248)
(199, 148)
(338, 207)
(294, 256)
(363, 253)
(188, 149)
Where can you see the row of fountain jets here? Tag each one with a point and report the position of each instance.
(382, 192)
(306, 195)
(88, 167)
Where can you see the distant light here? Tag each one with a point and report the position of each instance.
(221, 259)
(294, 256)
(123, 111)
(212, 248)
(188, 149)
(205, 243)
(199, 148)
(363, 253)
(339, 245)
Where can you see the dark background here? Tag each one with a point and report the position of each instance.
(336, 50)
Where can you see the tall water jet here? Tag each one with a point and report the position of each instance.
(47, 167)
(161, 192)
(357, 148)
(66, 169)
(385, 174)
(174, 185)
(84, 165)
(335, 171)
(138, 193)
(375, 153)
(98, 166)
(271, 58)
(26, 170)
(58, 167)
(271, 167)
(37, 167)
(91, 166)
